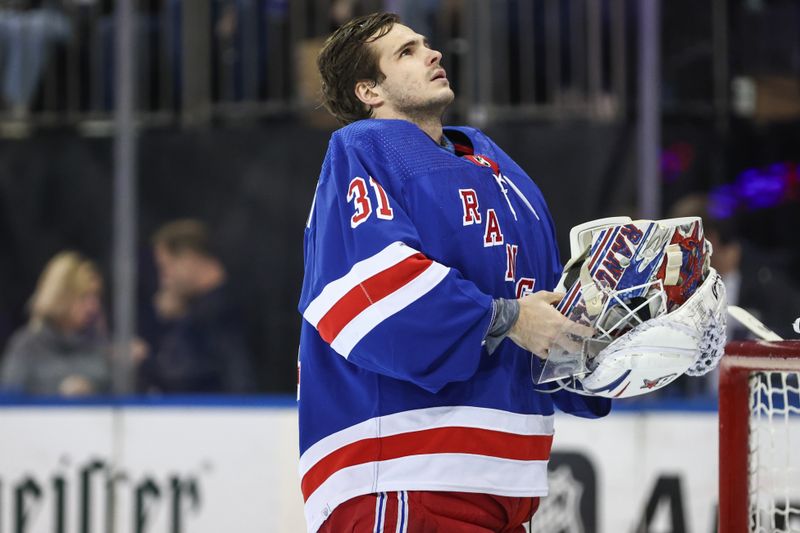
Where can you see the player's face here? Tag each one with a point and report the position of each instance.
(415, 82)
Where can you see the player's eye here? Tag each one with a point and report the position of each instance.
(405, 52)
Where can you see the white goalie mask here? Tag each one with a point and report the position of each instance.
(657, 307)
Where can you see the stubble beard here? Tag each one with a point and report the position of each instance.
(420, 112)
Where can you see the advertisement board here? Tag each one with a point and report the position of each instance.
(210, 468)
(192, 469)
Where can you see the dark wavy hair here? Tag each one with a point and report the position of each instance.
(346, 59)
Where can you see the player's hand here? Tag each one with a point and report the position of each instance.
(540, 325)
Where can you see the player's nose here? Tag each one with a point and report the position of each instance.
(434, 56)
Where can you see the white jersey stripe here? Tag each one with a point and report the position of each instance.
(376, 313)
(335, 290)
(522, 197)
(446, 472)
(313, 204)
(429, 418)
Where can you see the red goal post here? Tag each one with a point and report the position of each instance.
(759, 400)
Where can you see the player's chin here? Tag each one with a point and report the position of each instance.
(445, 96)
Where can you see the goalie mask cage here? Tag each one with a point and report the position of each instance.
(759, 438)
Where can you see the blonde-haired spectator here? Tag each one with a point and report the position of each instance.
(63, 350)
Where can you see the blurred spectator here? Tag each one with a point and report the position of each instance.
(203, 348)
(28, 29)
(422, 16)
(159, 47)
(63, 349)
(341, 11)
(247, 50)
(753, 280)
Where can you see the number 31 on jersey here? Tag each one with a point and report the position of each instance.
(358, 193)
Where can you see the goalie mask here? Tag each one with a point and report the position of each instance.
(657, 307)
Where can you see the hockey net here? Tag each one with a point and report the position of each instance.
(759, 420)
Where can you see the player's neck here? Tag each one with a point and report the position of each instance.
(432, 128)
(431, 124)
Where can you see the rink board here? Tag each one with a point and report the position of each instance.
(202, 467)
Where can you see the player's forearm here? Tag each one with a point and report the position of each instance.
(506, 313)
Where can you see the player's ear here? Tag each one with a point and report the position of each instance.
(368, 92)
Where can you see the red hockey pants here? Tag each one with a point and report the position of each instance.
(431, 512)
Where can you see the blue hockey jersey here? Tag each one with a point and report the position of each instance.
(406, 247)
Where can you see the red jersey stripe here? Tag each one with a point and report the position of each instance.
(465, 440)
(368, 292)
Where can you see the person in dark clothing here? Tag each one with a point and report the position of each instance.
(755, 279)
(203, 347)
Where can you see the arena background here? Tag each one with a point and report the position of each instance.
(227, 128)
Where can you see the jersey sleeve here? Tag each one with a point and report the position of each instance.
(582, 406)
(371, 290)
